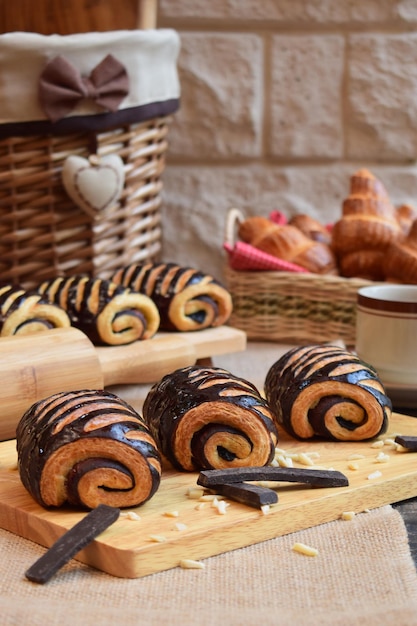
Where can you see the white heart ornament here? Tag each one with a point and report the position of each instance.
(94, 184)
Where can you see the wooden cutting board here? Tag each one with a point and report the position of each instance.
(127, 550)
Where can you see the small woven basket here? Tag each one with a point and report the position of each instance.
(291, 307)
(43, 233)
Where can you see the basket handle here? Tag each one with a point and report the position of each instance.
(234, 218)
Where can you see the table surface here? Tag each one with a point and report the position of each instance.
(241, 586)
(408, 510)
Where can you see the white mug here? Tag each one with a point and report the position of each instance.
(386, 331)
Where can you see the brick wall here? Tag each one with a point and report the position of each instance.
(282, 100)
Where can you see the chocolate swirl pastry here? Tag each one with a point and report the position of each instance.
(206, 418)
(86, 448)
(328, 392)
(187, 299)
(26, 312)
(107, 313)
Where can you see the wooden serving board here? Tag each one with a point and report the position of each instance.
(127, 550)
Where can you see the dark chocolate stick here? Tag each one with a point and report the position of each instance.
(407, 441)
(318, 478)
(71, 542)
(252, 495)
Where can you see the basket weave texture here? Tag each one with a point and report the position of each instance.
(288, 307)
(43, 234)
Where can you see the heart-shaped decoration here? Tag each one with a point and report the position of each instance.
(94, 184)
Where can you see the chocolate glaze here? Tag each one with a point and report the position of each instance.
(139, 280)
(177, 393)
(13, 297)
(289, 377)
(36, 440)
(73, 294)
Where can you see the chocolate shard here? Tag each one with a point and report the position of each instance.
(251, 495)
(407, 441)
(71, 542)
(315, 477)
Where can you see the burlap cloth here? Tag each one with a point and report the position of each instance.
(363, 574)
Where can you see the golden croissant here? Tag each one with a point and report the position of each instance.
(311, 227)
(367, 195)
(400, 260)
(406, 214)
(288, 243)
(368, 223)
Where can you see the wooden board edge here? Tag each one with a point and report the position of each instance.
(131, 563)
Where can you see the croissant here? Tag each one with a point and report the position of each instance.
(406, 214)
(361, 232)
(366, 264)
(86, 448)
(107, 313)
(26, 312)
(400, 260)
(328, 392)
(206, 418)
(186, 298)
(288, 243)
(312, 228)
(368, 222)
(367, 195)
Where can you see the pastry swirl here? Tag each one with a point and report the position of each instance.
(107, 313)
(206, 418)
(26, 312)
(86, 448)
(328, 392)
(186, 298)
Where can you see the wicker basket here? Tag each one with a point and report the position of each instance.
(288, 307)
(44, 234)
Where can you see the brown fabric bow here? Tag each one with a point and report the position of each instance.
(61, 86)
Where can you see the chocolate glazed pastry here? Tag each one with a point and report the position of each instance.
(206, 418)
(26, 312)
(107, 313)
(187, 299)
(328, 392)
(86, 448)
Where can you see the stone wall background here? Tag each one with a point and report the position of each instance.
(282, 100)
